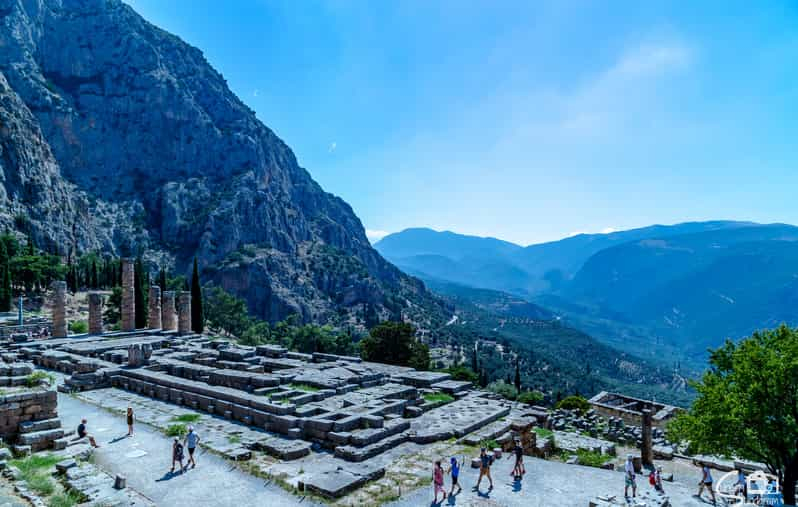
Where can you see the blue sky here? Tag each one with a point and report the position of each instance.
(527, 121)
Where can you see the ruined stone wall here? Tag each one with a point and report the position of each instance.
(24, 407)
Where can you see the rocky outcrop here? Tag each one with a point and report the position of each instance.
(132, 140)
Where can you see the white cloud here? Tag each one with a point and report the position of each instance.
(333, 146)
(574, 233)
(375, 236)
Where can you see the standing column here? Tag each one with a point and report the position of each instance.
(95, 313)
(128, 296)
(59, 310)
(646, 452)
(154, 315)
(184, 313)
(168, 311)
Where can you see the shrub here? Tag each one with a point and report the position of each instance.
(187, 418)
(531, 397)
(574, 402)
(543, 432)
(79, 327)
(36, 378)
(176, 430)
(67, 499)
(503, 389)
(303, 387)
(438, 398)
(592, 458)
(40, 483)
(462, 373)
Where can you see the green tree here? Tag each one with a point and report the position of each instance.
(394, 343)
(747, 405)
(226, 313)
(574, 402)
(113, 307)
(517, 376)
(197, 314)
(257, 333)
(5, 279)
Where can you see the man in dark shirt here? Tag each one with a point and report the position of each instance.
(83, 434)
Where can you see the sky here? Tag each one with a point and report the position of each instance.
(523, 120)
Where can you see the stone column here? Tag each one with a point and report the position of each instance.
(95, 313)
(154, 315)
(59, 310)
(128, 296)
(184, 313)
(646, 453)
(168, 311)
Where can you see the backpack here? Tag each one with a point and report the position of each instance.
(652, 479)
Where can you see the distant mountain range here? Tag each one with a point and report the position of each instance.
(682, 287)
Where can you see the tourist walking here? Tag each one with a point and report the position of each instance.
(658, 480)
(437, 480)
(629, 477)
(485, 461)
(192, 440)
(706, 482)
(130, 420)
(177, 454)
(518, 452)
(83, 433)
(454, 470)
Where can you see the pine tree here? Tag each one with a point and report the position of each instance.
(197, 316)
(517, 376)
(474, 360)
(95, 279)
(162, 280)
(141, 297)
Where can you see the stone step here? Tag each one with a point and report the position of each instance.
(39, 440)
(45, 424)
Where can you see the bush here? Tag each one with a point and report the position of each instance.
(67, 499)
(79, 327)
(438, 398)
(176, 430)
(503, 389)
(36, 378)
(592, 458)
(187, 418)
(531, 397)
(462, 373)
(40, 483)
(574, 402)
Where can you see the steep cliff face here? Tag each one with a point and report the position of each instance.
(148, 148)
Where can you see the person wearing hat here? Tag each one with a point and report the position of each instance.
(485, 461)
(177, 454)
(629, 477)
(518, 452)
(192, 439)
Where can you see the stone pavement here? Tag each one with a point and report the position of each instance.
(145, 459)
(546, 484)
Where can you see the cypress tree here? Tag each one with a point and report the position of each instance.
(5, 286)
(141, 298)
(7, 295)
(517, 376)
(197, 316)
(162, 280)
(95, 278)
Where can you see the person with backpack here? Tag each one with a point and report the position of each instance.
(655, 479)
(454, 470)
(177, 454)
(437, 481)
(485, 461)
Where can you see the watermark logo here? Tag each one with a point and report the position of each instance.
(758, 488)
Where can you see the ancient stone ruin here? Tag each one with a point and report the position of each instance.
(630, 409)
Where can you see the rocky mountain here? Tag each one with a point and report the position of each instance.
(666, 292)
(495, 264)
(118, 136)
